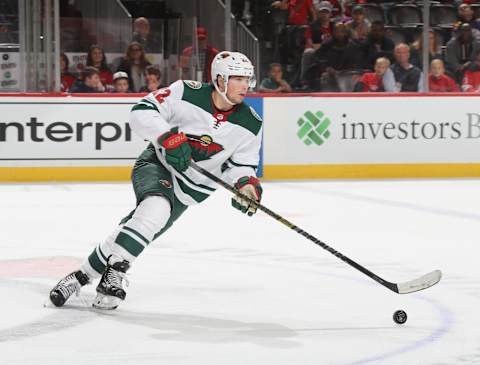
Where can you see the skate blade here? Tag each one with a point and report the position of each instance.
(105, 302)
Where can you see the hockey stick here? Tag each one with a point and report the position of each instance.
(423, 282)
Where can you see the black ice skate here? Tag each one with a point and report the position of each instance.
(110, 289)
(67, 286)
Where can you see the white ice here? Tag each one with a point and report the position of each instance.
(223, 288)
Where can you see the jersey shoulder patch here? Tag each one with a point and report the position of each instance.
(195, 85)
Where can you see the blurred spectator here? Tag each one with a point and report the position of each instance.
(359, 26)
(438, 81)
(241, 10)
(347, 7)
(402, 75)
(96, 58)
(66, 78)
(317, 33)
(142, 34)
(471, 79)
(373, 81)
(461, 50)
(134, 64)
(74, 36)
(89, 82)
(321, 29)
(336, 7)
(153, 76)
(206, 54)
(466, 15)
(298, 10)
(275, 82)
(6, 35)
(120, 82)
(338, 53)
(377, 44)
(416, 49)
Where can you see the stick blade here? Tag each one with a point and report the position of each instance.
(423, 282)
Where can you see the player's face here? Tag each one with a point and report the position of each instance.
(237, 88)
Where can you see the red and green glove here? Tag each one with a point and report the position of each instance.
(250, 187)
(177, 149)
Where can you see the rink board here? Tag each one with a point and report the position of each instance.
(69, 138)
(371, 136)
(64, 138)
(45, 137)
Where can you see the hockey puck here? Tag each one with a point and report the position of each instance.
(400, 317)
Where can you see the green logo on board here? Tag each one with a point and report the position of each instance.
(313, 128)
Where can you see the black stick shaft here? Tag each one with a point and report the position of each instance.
(297, 229)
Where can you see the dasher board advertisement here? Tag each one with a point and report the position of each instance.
(348, 132)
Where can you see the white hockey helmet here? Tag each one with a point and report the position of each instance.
(226, 64)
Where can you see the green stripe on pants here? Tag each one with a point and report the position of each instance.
(95, 262)
(102, 254)
(136, 233)
(133, 247)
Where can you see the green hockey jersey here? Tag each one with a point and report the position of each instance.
(225, 143)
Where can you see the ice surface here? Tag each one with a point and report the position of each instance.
(223, 288)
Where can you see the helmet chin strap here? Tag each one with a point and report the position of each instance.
(224, 93)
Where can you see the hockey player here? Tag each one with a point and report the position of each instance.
(187, 121)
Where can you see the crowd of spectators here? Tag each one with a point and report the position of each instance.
(133, 73)
(324, 46)
(206, 54)
(377, 45)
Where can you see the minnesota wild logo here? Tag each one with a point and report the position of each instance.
(203, 147)
(193, 84)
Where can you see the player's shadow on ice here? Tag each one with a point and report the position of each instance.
(190, 328)
(167, 327)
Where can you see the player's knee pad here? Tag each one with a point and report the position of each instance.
(150, 216)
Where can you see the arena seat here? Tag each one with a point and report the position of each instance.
(404, 14)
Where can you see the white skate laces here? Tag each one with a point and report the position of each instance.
(117, 278)
(72, 283)
(69, 285)
(111, 288)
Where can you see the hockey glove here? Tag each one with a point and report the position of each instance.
(249, 186)
(177, 150)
